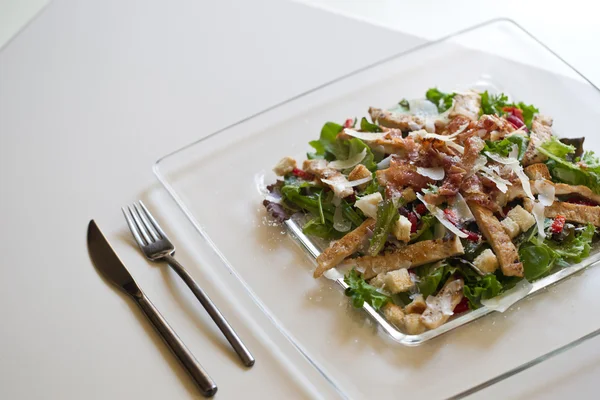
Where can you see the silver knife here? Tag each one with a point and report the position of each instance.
(111, 267)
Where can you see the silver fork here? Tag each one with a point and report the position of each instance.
(156, 246)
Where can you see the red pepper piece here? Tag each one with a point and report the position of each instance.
(302, 174)
(558, 224)
(462, 306)
(420, 209)
(517, 112)
(472, 236)
(349, 123)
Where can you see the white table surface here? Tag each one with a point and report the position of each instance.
(92, 93)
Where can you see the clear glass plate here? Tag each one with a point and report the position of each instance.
(216, 183)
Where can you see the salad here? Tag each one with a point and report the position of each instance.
(438, 205)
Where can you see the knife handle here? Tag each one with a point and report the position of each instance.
(184, 355)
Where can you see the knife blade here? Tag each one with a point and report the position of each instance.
(108, 263)
(112, 268)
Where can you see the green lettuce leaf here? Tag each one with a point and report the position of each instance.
(503, 147)
(404, 104)
(484, 288)
(431, 276)
(367, 126)
(576, 247)
(493, 103)
(565, 171)
(324, 230)
(537, 260)
(528, 112)
(360, 292)
(424, 232)
(443, 101)
(387, 214)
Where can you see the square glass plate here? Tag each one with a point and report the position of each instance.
(216, 181)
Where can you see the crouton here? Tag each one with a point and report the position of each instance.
(486, 261)
(417, 306)
(284, 166)
(503, 247)
(398, 281)
(413, 324)
(408, 195)
(401, 229)
(368, 204)
(511, 228)
(522, 217)
(537, 171)
(412, 255)
(345, 247)
(378, 281)
(394, 314)
(441, 307)
(359, 172)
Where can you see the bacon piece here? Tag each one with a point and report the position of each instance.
(401, 174)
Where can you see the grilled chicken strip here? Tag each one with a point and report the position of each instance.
(340, 249)
(467, 104)
(389, 119)
(440, 307)
(578, 213)
(503, 247)
(541, 131)
(338, 182)
(409, 256)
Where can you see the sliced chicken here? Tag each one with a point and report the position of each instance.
(410, 256)
(413, 324)
(441, 307)
(505, 250)
(580, 190)
(578, 213)
(389, 119)
(467, 104)
(335, 179)
(417, 306)
(343, 248)
(541, 131)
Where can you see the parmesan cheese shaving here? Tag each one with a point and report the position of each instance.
(346, 184)
(538, 214)
(368, 136)
(461, 209)
(545, 191)
(385, 163)
(439, 214)
(349, 163)
(436, 173)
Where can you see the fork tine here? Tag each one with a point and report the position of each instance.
(147, 223)
(154, 223)
(140, 225)
(133, 227)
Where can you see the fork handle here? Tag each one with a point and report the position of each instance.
(205, 383)
(232, 337)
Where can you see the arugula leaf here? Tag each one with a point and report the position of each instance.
(528, 112)
(536, 259)
(430, 277)
(568, 172)
(367, 126)
(325, 230)
(443, 101)
(372, 187)
(404, 104)
(360, 292)
(356, 146)
(431, 189)
(350, 213)
(387, 214)
(503, 147)
(484, 288)
(493, 103)
(327, 146)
